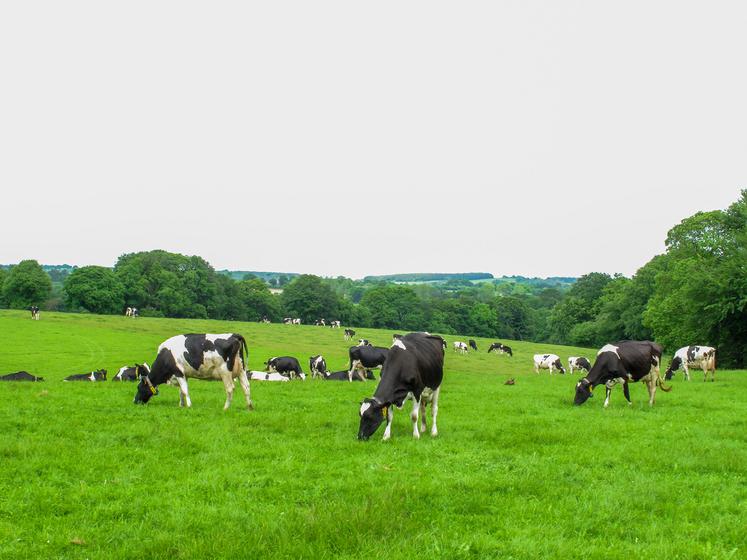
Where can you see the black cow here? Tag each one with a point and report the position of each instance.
(623, 362)
(131, 373)
(500, 349)
(202, 356)
(285, 365)
(343, 376)
(21, 376)
(414, 369)
(472, 344)
(365, 357)
(317, 366)
(98, 375)
(349, 333)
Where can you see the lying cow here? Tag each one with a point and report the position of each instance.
(132, 373)
(285, 365)
(413, 370)
(98, 375)
(266, 376)
(317, 366)
(202, 356)
(578, 362)
(500, 349)
(335, 324)
(703, 357)
(460, 347)
(365, 357)
(20, 376)
(623, 362)
(343, 376)
(548, 361)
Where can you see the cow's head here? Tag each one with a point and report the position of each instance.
(674, 366)
(583, 392)
(145, 390)
(558, 364)
(372, 414)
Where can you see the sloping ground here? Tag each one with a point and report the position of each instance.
(516, 471)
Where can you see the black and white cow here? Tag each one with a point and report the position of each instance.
(578, 362)
(460, 347)
(472, 344)
(317, 366)
(288, 320)
(320, 323)
(285, 365)
(703, 357)
(132, 373)
(413, 370)
(623, 362)
(98, 375)
(266, 376)
(364, 342)
(297, 321)
(201, 356)
(335, 324)
(349, 333)
(128, 312)
(264, 319)
(343, 376)
(35, 312)
(20, 376)
(500, 349)
(365, 357)
(548, 361)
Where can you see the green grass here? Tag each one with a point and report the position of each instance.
(516, 472)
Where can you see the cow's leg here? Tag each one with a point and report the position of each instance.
(183, 391)
(229, 385)
(651, 383)
(414, 418)
(626, 391)
(607, 396)
(434, 412)
(244, 382)
(423, 426)
(353, 367)
(389, 418)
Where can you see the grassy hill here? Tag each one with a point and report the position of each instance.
(516, 471)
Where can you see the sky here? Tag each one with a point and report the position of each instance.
(354, 138)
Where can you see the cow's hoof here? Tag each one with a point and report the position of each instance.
(434, 433)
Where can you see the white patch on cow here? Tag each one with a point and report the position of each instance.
(120, 372)
(545, 361)
(399, 344)
(364, 407)
(92, 377)
(609, 348)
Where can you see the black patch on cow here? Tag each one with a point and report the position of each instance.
(473, 344)
(20, 376)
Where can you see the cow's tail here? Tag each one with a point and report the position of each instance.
(243, 350)
(660, 383)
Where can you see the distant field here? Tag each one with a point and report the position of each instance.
(516, 472)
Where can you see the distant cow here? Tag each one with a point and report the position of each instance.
(265, 320)
(317, 366)
(98, 375)
(500, 349)
(202, 356)
(128, 312)
(35, 313)
(365, 357)
(20, 376)
(578, 362)
(266, 376)
(285, 365)
(132, 373)
(343, 376)
(413, 370)
(548, 361)
(320, 323)
(349, 333)
(288, 320)
(297, 321)
(472, 344)
(703, 357)
(460, 347)
(623, 362)
(335, 324)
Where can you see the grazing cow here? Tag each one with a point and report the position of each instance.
(548, 361)
(349, 333)
(135, 312)
(266, 376)
(132, 373)
(296, 321)
(20, 376)
(460, 347)
(578, 362)
(413, 370)
(288, 320)
(335, 324)
(703, 357)
(285, 365)
(317, 366)
(472, 344)
(35, 313)
(343, 376)
(202, 356)
(500, 349)
(98, 375)
(320, 323)
(128, 312)
(623, 362)
(365, 357)
(364, 342)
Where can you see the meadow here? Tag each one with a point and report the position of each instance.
(516, 472)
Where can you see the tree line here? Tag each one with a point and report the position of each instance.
(694, 293)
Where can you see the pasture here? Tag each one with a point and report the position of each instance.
(516, 472)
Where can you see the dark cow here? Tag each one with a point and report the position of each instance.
(578, 362)
(703, 357)
(349, 333)
(343, 376)
(98, 375)
(623, 362)
(365, 357)
(202, 356)
(35, 313)
(285, 365)
(317, 366)
(500, 349)
(132, 373)
(472, 344)
(21, 376)
(414, 370)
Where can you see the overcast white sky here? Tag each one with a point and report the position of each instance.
(536, 138)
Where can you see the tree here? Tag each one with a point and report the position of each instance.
(256, 301)
(3, 277)
(394, 306)
(26, 284)
(310, 299)
(95, 289)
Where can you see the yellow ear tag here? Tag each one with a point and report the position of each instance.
(152, 389)
(384, 411)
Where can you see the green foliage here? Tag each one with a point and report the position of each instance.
(310, 299)
(3, 277)
(395, 307)
(25, 285)
(95, 289)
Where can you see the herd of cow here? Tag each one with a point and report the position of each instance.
(411, 368)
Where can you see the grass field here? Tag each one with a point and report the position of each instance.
(516, 472)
